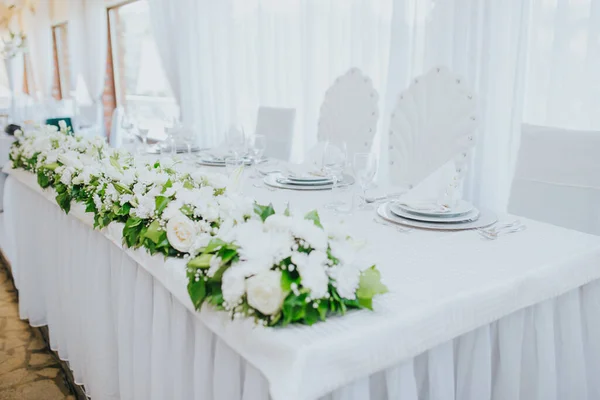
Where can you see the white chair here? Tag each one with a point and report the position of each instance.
(557, 178)
(277, 124)
(349, 113)
(116, 133)
(433, 122)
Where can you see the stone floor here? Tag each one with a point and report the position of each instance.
(28, 369)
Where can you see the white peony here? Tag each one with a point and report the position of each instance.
(181, 232)
(264, 292)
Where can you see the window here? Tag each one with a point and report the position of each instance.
(61, 82)
(141, 85)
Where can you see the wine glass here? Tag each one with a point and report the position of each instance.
(256, 149)
(364, 166)
(236, 139)
(334, 163)
(172, 127)
(234, 165)
(188, 137)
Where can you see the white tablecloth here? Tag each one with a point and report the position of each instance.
(123, 318)
(5, 143)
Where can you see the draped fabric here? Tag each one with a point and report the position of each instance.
(126, 337)
(162, 19)
(521, 56)
(236, 55)
(38, 28)
(88, 46)
(562, 85)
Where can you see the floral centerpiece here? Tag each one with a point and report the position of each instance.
(242, 257)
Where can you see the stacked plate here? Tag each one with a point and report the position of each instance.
(164, 148)
(430, 214)
(215, 160)
(304, 181)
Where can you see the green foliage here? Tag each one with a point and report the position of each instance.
(314, 217)
(264, 212)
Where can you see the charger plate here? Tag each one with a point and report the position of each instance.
(486, 218)
(274, 180)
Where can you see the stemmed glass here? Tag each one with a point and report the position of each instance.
(172, 126)
(256, 149)
(334, 163)
(236, 140)
(188, 136)
(364, 166)
(128, 125)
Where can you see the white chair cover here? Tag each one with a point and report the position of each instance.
(116, 136)
(557, 178)
(277, 124)
(349, 113)
(433, 122)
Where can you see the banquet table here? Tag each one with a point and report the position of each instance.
(465, 317)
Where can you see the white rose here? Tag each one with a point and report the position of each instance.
(264, 292)
(181, 233)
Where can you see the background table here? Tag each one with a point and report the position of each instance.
(465, 318)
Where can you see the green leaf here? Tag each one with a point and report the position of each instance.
(154, 231)
(188, 185)
(186, 210)
(264, 212)
(369, 286)
(115, 163)
(161, 203)
(227, 255)
(64, 201)
(314, 217)
(51, 166)
(323, 308)
(133, 221)
(197, 291)
(122, 189)
(214, 244)
(168, 184)
(201, 261)
(43, 179)
(287, 211)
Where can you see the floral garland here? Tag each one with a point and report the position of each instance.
(242, 257)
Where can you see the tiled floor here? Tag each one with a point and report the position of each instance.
(28, 370)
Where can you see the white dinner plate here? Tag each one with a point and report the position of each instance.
(462, 207)
(444, 218)
(275, 180)
(486, 218)
(296, 178)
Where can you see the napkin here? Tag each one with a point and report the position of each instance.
(438, 188)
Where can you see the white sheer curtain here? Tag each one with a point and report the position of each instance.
(88, 44)
(563, 74)
(162, 19)
(236, 55)
(38, 28)
(540, 57)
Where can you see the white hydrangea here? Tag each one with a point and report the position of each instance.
(312, 272)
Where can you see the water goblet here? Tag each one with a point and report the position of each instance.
(364, 166)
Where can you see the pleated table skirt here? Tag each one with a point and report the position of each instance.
(125, 337)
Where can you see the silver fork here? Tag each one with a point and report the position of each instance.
(502, 229)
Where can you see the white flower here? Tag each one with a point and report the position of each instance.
(181, 232)
(312, 271)
(347, 278)
(309, 232)
(233, 287)
(62, 124)
(264, 292)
